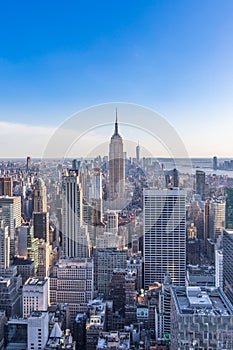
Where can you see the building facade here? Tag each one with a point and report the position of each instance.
(164, 236)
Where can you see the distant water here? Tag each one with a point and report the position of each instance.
(191, 165)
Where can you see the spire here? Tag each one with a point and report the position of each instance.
(116, 125)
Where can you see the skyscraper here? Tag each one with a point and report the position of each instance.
(4, 248)
(228, 263)
(229, 208)
(11, 215)
(41, 225)
(40, 197)
(72, 235)
(6, 186)
(164, 236)
(200, 183)
(116, 168)
(138, 153)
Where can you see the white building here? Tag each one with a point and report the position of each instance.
(71, 281)
(4, 248)
(38, 330)
(164, 236)
(11, 215)
(218, 268)
(35, 296)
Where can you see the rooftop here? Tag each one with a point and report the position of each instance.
(209, 301)
(36, 282)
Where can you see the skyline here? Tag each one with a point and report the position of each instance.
(174, 58)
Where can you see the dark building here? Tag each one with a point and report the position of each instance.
(175, 178)
(229, 208)
(193, 251)
(200, 183)
(10, 297)
(228, 263)
(6, 186)
(80, 331)
(41, 225)
(215, 163)
(25, 267)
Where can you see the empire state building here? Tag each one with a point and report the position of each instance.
(116, 169)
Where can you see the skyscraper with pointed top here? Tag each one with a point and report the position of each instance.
(116, 168)
(138, 153)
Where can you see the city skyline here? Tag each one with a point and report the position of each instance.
(174, 58)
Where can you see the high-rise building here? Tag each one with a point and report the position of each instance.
(105, 261)
(35, 296)
(10, 296)
(228, 263)
(229, 208)
(41, 225)
(215, 163)
(72, 220)
(116, 169)
(112, 222)
(138, 153)
(40, 196)
(43, 259)
(11, 215)
(6, 186)
(218, 268)
(201, 318)
(164, 236)
(200, 183)
(71, 281)
(219, 208)
(4, 248)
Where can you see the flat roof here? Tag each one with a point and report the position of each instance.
(202, 300)
(36, 282)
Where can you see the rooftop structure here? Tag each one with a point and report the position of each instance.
(113, 340)
(201, 317)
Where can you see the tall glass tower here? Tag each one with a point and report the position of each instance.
(164, 236)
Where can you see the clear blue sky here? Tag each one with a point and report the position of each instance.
(175, 56)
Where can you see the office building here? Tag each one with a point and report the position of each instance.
(218, 268)
(10, 296)
(6, 186)
(38, 330)
(201, 318)
(73, 242)
(35, 296)
(138, 153)
(228, 263)
(112, 222)
(39, 196)
(25, 267)
(22, 237)
(43, 259)
(200, 183)
(164, 236)
(105, 261)
(229, 208)
(11, 215)
(116, 169)
(215, 163)
(4, 248)
(96, 323)
(71, 281)
(41, 225)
